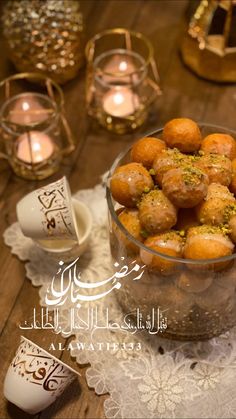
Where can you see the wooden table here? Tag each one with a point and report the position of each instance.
(164, 22)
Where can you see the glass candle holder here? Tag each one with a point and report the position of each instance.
(34, 129)
(122, 79)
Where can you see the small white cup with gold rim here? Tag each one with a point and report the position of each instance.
(47, 213)
(35, 378)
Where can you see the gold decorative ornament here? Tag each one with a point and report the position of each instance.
(45, 36)
(209, 47)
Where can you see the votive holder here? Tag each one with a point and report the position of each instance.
(34, 128)
(122, 79)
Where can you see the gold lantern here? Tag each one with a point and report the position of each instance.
(209, 47)
(122, 79)
(33, 126)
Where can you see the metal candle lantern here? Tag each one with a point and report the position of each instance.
(122, 79)
(209, 48)
(34, 129)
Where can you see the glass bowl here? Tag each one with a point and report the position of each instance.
(193, 313)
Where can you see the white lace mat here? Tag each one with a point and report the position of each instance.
(164, 379)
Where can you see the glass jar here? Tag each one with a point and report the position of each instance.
(192, 313)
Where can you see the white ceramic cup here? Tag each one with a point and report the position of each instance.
(35, 378)
(47, 213)
(67, 250)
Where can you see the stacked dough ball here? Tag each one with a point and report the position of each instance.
(178, 196)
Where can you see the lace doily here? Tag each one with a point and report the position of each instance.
(163, 379)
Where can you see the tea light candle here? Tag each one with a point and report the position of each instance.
(122, 65)
(120, 102)
(28, 110)
(34, 147)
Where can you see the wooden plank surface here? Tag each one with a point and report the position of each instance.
(164, 22)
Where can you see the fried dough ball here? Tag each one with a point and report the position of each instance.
(182, 133)
(232, 227)
(156, 212)
(230, 220)
(169, 243)
(129, 182)
(167, 159)
(146, 149)
(185, 186)
(211, 210)
(186, 218)
(194, 281)
(129, 219)
(207, 242)
(217, 167)
(232, 186)
(222, 144)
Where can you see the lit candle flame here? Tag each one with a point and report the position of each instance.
(36, 146)
(123, 66)
(25, 106)
(118, 98)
